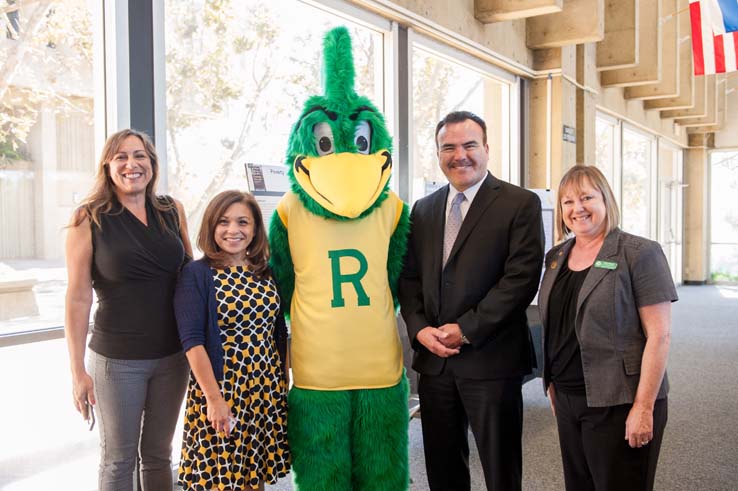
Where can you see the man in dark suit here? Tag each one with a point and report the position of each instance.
(473, 266)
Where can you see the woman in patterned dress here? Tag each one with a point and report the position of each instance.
(234, 335)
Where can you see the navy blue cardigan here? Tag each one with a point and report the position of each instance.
(197, 316)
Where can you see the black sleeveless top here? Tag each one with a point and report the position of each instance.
(563, 355)
(134, 273)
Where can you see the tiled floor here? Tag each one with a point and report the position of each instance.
(45, 445)
(46, 442)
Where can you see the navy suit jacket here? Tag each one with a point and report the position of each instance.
(491, 276)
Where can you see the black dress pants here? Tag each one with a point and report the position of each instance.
(594, 451)
(493, 408)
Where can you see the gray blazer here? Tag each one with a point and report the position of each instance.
(629, 272)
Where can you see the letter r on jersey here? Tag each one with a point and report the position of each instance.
(338, 278)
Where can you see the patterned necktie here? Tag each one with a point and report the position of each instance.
(453, 224)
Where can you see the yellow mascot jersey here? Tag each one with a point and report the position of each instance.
(344, 330)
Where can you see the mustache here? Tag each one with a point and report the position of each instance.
(460, 163)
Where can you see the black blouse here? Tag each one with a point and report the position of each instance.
(563, 356)
(134, 273)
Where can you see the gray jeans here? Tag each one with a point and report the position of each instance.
(138, 402)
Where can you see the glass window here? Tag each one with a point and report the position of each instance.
(636, 183)
(440, 86)
(47, 148)
(724, 216)
(236, 81)
(670, 195)
(606, 150)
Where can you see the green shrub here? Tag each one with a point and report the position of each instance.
(722, 276)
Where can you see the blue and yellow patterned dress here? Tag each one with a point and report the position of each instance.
(253, 387)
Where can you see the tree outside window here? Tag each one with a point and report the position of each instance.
(238, 74)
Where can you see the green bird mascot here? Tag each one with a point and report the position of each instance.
(338, 239)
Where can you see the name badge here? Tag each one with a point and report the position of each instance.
(605, 264)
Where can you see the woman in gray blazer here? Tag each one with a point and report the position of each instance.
(605, 304)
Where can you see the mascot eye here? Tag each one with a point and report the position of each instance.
(363, 137)
(323, 138)
(325, 144)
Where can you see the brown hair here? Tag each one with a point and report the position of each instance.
(575, 179)
(102, 197)
(257, 252)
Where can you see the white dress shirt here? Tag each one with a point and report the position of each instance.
(470, 193)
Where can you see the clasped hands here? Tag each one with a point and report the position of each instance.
(443, 341)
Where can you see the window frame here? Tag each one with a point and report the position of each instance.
(619, 126)
(387, 102)
(617, 156)
(652, 173)
(109, 79)
(711, 154)
(511, 101)
(676, 189)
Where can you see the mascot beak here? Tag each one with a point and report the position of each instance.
(346, 184)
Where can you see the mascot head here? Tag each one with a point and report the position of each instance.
(339, 150)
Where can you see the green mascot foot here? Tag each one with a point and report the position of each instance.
(350, 439)
(319, 431)
(380, 438)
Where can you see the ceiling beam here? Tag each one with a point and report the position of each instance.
(648, 70)
(489, 11)
(670, 32)
(580, 21)
(715, 92)
(686, 96)
(699, 108)
(619, 49)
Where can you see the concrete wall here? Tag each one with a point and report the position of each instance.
(727, 137)
(504, 38)
(508, 39)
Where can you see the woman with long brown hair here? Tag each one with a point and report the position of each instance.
(234, 335)
(128, 245)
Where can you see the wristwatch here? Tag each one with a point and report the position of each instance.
(464, 339)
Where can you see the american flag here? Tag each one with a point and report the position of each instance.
(714, 35)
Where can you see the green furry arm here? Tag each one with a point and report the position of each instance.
(397, 250)
(281, 261)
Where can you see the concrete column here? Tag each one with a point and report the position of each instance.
(493, 106)
(586, 103)
(542, 121)
(696, 202)
(552, 105)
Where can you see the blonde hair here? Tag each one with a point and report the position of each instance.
(574, 179)
(102, 197)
